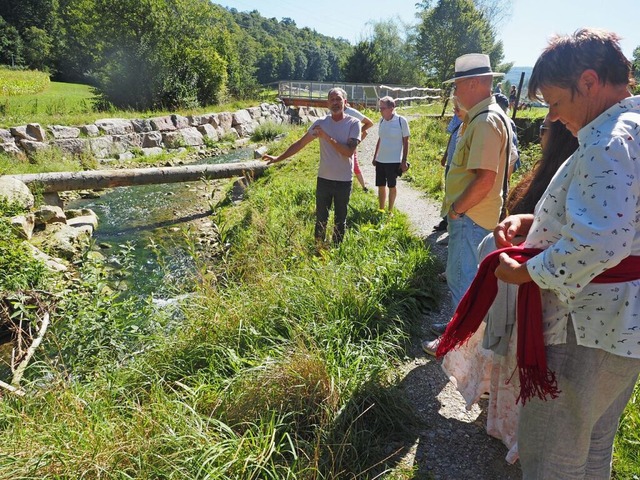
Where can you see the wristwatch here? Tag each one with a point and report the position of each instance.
(457, 214)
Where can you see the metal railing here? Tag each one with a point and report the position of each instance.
(365, 94)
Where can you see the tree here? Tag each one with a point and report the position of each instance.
(37, 48)
(450, 29)
(77, 45)
(364, 64)
(161, 53)
(318, 65)
(23, 14)
(10, 45)
(399, 63)
(334, 73)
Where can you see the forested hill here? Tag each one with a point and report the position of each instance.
(178, 54)
(280, 50)
(150, 54)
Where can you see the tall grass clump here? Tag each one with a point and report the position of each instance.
(626, 463)
(19, 270)
(269, 131)
(22, 82)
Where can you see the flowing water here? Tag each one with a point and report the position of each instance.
(135, 218)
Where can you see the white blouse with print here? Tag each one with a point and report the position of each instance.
(587, 221)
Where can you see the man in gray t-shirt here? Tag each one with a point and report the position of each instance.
(339, 135)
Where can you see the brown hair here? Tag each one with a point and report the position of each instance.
(560, 145)
(566, 57)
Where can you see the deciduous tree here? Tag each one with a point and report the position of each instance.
(364, 64)
(452, 28)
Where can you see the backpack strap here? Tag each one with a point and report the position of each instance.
(505, 181)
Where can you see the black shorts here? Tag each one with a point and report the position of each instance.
(387, 174)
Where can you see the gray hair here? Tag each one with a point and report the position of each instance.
(388, 101)
(568, 56)
(339, 91)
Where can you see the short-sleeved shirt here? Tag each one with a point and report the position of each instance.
(587, 221)
(354, 113)
(483, 145)
(391, 134)
(333, 165)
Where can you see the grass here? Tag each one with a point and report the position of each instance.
(626, 461)
(280, 366)
(268, 131)
(48, 160)
(58, 103)
(21, 82)
(29, 97)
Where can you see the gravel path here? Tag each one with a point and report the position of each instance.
(449, 442)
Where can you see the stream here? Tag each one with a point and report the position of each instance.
(137, 217)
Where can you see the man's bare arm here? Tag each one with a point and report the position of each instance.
(292, 150)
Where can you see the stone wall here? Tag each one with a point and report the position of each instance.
(118, 138)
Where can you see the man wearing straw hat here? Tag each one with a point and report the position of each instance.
(476, 179)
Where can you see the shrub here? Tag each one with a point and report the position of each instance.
(18, 269)
(268, 131)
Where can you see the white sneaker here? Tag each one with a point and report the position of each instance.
(431, 346)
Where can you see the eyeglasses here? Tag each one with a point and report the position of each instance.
(543, 130)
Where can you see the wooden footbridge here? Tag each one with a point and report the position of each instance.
(360, 95)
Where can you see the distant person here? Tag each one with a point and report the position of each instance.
(498, 88)
(390, 157)
(513, 96)
(366, 124)
(454, 129)
(339, 135)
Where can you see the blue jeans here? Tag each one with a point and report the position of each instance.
(462, 254)
(331, 192)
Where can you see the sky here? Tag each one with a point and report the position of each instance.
(524, 34)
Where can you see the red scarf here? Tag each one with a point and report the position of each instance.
(535, 378)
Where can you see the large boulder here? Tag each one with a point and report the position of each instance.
(54, 264)
(48, 214)
(32, 132)
(13, 190)
(240, 117)
(81, 217)
(64, 240)
(23, 225)
(114, 126)
(60, 131)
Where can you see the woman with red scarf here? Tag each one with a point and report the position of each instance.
(579, 269)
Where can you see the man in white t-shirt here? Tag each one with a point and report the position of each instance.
(339, 135)
(390, 157)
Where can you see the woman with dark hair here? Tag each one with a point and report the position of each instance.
(487, 362)
(558, 144)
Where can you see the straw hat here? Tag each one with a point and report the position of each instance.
(473, 65)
